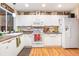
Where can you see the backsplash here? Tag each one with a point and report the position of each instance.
(51, 29)
(45, 29)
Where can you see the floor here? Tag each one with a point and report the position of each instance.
(25, 52)
(51, 52)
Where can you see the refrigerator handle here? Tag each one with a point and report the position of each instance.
(66, 28)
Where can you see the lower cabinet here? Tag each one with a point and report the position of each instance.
(52, 40)
(12, 47)
(47, 40)
(19, 44)
(9, 47)
(28, 38)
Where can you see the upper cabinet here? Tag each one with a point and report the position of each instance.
(47, 20)
(52, 20)
(23, 20)
(37, 20)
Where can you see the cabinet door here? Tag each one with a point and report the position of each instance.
(53, 20)
(23, 20)
(28, 40)
(22, 40)
(8, 48)
(18, 20)
(19, 44)
(4, 49)
(12, 47)
(50, 40)
(59, 39)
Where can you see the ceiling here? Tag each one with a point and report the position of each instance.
(38, 7)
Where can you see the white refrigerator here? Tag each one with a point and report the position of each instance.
(70, 33)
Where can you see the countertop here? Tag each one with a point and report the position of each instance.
(9, 36)
(53, 33)
(30, 32)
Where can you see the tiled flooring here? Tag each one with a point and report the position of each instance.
(49, 52)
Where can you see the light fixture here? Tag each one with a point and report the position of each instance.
(43, 5)
(59, 5)
(26, 5)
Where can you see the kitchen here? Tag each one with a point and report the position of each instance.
(37, 27)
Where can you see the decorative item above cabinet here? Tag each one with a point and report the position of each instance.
(4, 5)
(42, 13)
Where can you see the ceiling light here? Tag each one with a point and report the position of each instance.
(59, 5)
(43, 5)
(27, 5)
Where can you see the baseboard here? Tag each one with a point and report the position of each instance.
(55, 46)
(44, 46)
(27, 46)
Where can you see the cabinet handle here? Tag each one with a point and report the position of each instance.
(9, 41)
(52, 36)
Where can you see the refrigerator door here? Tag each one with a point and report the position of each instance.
(74, 34)
(71, 33)
(67, 34)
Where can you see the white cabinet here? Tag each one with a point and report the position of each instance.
(21, 44)
(28, 38)
(52, 39)
(52, 20)
(48, 20)
(59, 39)
(4, 49)
(42, 19)
(8, 48)
(37, 20)
(12, 47)
(24, 20)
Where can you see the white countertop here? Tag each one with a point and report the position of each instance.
(9, 36)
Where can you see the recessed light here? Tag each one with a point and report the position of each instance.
(26, 5)
(43, 5)
(59, 6)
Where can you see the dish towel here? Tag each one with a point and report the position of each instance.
(37, 37)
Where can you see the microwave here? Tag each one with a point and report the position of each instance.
(71, 15)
